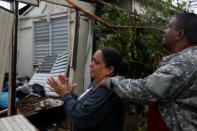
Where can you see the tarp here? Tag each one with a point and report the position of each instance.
(4, 100)
(6, 25)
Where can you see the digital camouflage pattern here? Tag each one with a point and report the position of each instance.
(172, 87)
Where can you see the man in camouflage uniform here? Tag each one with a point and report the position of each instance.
(173, 86)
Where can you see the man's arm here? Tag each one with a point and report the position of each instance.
(148, 90)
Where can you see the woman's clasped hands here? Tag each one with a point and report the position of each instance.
(61, 86)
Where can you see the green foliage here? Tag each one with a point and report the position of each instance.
(140, 47)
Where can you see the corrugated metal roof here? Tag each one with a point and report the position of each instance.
(39, 78)
(47, 66)
(59, 67)
(44, 70)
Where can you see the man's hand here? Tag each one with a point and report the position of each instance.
(102, 82)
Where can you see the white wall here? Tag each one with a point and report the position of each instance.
(25, 52)
(78, 76)
(130, 5)
(81, 74)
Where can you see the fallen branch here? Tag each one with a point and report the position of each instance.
(88, 13)
(138, 27)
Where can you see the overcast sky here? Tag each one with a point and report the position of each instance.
(191, 3)
(7, 4)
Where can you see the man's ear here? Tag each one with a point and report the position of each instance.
(180, 34)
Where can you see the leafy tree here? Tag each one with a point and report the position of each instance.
(141, 47)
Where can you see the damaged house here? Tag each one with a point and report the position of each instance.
(51, 28)
(56, 37)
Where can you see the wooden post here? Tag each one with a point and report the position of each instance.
(75, 44)
(12, 89)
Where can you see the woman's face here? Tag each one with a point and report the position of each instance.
(98, 69)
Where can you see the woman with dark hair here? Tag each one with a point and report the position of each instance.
(96, 109)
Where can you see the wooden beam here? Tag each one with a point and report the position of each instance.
(88, 13)
(3, 112)
(75, 44)
(12, 89)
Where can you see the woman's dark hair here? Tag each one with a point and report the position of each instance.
(188, 22)
(112, 57)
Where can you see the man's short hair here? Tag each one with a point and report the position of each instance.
(188, 22)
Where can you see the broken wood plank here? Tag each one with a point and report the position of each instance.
(16, 123)
(3, 112)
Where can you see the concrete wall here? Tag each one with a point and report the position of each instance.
(83, 59)
(80, 75)
(130, 5)
(25, 52)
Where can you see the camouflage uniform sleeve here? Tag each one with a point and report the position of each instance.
(148, 90)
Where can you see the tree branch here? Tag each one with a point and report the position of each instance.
(107, 24)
